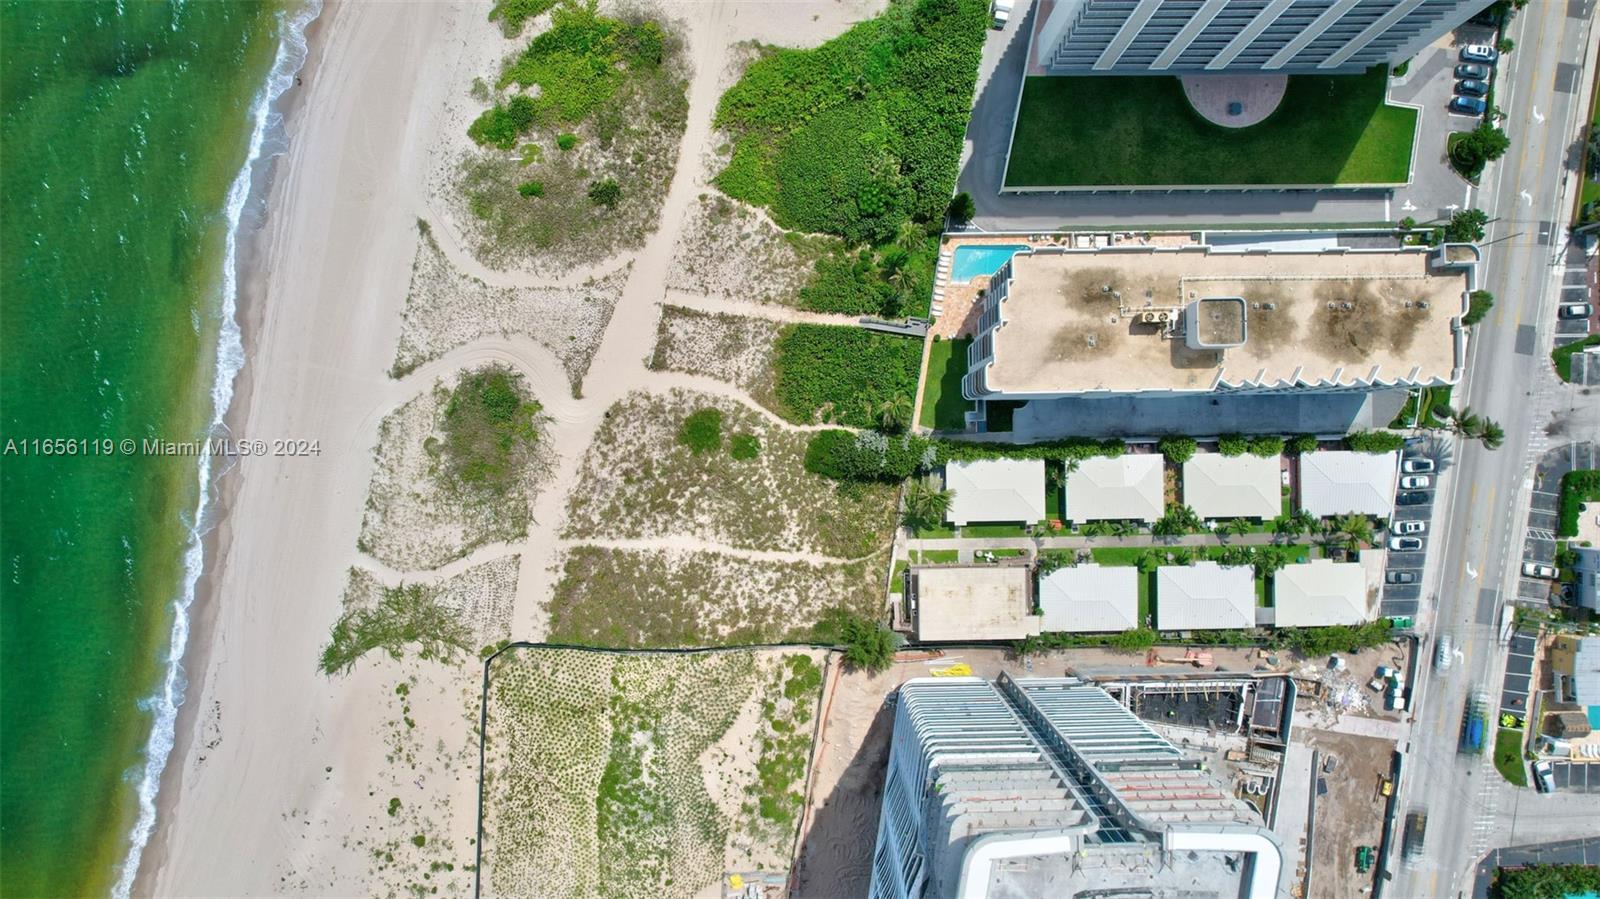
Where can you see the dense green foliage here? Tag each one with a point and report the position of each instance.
(566, 141)
(1545, 882)
(605, 192)
(1302, 443)
(1479, 304)
(1466, 226)
(513, 14)
(866, 456)
(1267, 446)
(891, 280)
(868, 645)
(1577, 487)
(1308, 641)
(863, 133)
(1232, 445)
(842, 374)
(1374, 441)
(1471, 150)
(744, 447)
(502, 124)
(1136, 640)
(961, 208)
(702, 431)
(1328, 129)
(1069, 449)
(531, 188)
(1178, 450)
(407, 614)
(925, 506)
(489, 429)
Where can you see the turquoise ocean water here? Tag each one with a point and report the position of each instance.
(126, 131)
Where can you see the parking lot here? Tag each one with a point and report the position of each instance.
(1539, 545)
(1577, 286)
(1405, 599)
(1576, 777)
(1518, 684)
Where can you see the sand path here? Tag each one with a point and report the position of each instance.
(768, 311)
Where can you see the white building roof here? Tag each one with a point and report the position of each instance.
(1337, 482)
(1320, 593)
(1129, 486)
(1586, 672)
(1247, 486)
(1090, 598)
(995, 490)
(1205, 596)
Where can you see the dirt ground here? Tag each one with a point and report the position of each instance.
(1350, 814)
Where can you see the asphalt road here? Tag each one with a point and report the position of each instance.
(1480, 527)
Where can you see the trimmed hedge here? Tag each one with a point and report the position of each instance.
(1069, 449)
(1374, 441)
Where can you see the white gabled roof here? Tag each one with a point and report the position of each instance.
(995, 490)
(1247, 486)
(1320, 593)
(1205, 596)
(1338, 482)
(1090, 598)
(1129, 486)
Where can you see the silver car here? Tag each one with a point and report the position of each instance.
(1415, 482)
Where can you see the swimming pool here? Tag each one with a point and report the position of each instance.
(980, 261)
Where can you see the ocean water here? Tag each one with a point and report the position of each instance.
(126, 130)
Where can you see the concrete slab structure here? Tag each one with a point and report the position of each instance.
(1338, 482)
(1090, 598)
(1129, 487)
(988, 490)
(1205, 596)
(949, 603)
(1247, 486)
(1320, 593)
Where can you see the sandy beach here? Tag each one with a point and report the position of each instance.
(285, 780)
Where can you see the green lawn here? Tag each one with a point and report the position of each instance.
(930, 556)
(1098, 130)
(994, 530)
(936, 533)
(1508, 756)
(1562, 356)
(943, 406)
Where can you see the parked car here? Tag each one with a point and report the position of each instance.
(1416, 466)
(1401, 577)
(1544, 777)
(1444, 652)
(1467, 106)
(1480, 53)
(1411, 527)
(1405, 544)
(1415, 482)
(1536, 569)
(1576, 310)
(1413, 499)
(1472, 70)
(1471, 87)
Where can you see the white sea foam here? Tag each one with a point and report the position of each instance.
(164, 703)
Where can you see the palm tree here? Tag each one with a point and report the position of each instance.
(1492, 434)
(1096, 529)
(1124, 529)
(895, 413)
(925, 505)
(1268, 560)
(1356, 528)
(1236, 527)
(1466, 422)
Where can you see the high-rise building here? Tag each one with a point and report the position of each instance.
(1128, 37)
(1049, 787)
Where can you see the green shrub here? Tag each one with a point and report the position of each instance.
(531, 188)
(565, 142)
(868, 645)
(1178, 450)
(842, 373)
(1374, 441)
(866, 456)
(1470, 151)
(1577, 487)
(701, 431)
(858, 135)
(1070, 449)
(1232, 445)
(489, 426)
(1302, 443)
(513, 13)
(501, 125)
(1479, 304)
(581, 61)
(1136, 640)
(744, 447)
(1545, 882)
(894, 280)
(606, 192)
(961, 208)
(1466, 226)
(1266, 446)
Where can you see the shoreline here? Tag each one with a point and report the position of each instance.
(250, 267)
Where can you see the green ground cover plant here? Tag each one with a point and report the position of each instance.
(702, 431)
(1577, 488)
(407, 615)
(513, 14)
(744, 447)
(489, 429)
(862, 134)
(842, 374)
(1545, 882)
(1142, 131)
(943, 406)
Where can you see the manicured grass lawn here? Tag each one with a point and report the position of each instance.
(939, 532)
(1562, 356)
(1052, 494)
(935, 555)
(1098, 130)
(1508, 756)
(994, 530)
(943, 406)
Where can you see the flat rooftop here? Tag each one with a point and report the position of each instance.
(1328, 319)
(973, 602)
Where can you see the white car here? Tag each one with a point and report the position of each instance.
(1411, 527)
(1415, 482)
(1534, 569)
(1543, 777)
(1417, 466)
(1405, 544)
(1444, 653)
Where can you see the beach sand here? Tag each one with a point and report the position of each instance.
(283, 778)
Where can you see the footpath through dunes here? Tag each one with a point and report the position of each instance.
(289, 780)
